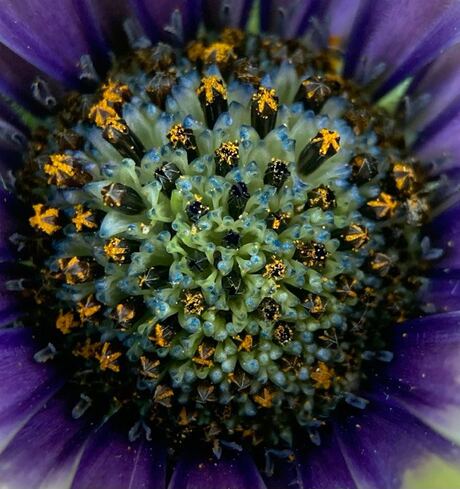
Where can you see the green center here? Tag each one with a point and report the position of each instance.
(225, 236)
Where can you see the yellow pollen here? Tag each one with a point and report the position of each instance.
(82, 218)
(107, 360)
(265, 400)
(102, 114)
(228, 152)
(115, 250)
(158, 338)
(45, 219)
(204, 356)
(218, 52)
(149, 367)
(276, 269)
(323, 376)
(88, 350)
(358, 235)
(211, 85)
(265, 97)
(74, 270)
(195, 51)
(88, 308)
(193, 303)
(232, 36)
(384, 206)
(115, 92)
(59, 167)
(246, 343)
(327, 139)
(404, 176)
(65, 322)
(178, 136)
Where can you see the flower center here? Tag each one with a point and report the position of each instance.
(224, 237)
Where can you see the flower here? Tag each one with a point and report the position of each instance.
(222, 242)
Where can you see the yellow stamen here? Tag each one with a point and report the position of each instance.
(265, 400)
(211, 85)
(265, 97)
(276, 269)
(323, 376)
(65, 322)
(82, 218)
(327, 139)
(193, 302)
(45, 219)
(107, 359)
(115, 250)
(384, 206)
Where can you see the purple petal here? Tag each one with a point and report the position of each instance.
(290, 18)
(221, 13)
(424, 375)
(442, 293)
(44, 451)
(444, 231)
(437, 141)
(9, 224)
(26, 84)
(108, 16)
(174, 20)
(52, 38)
(10, 302)
(110, 461)
(340, 16)
(392, 40)
(436, 89)
(234, 470)
(25, 386)
(383, 441)
(315, 467)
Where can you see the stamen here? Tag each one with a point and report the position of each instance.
(226, 157)
(167, 174)
(322, 147)
(65, 171)
(213, 97)
(160, 86)
(117, 133)
(45, 219)
(183, 138)
(122, 198)
(322, 197)
(276, 173)
(264, 109)
(237, 199)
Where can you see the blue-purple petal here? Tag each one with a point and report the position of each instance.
(290, 18)
(9, 224)
(234, 470)
(174, 20)
(110, 461)
(393, 40)
(52, 38)
(226, 13)
(424, 376)
(381, 442)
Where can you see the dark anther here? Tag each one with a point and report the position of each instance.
(353, 237)
(122, 198)
(226, 157)
(164, 332)
(160, 87)
(264, 109)
(128, 310)
(322, 197)
(380, 263)
(197, 261)
(276, 173)
(118, 250)
(154, 277)
(213, 98)
(196, 209)
(358, 118)
(167, 174)
(232, 283)
(237, 199)
(77, 269)
(124, 140)
(65, 171)
(181, 137)
(278, 221)
(68, 139)
(269, 309)
(246, 72)
(283, 333)
(364, 168)
(232, 240)
(315, 305)
(161, 57)
(311, 254)
(322, 147)
(315, 91)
